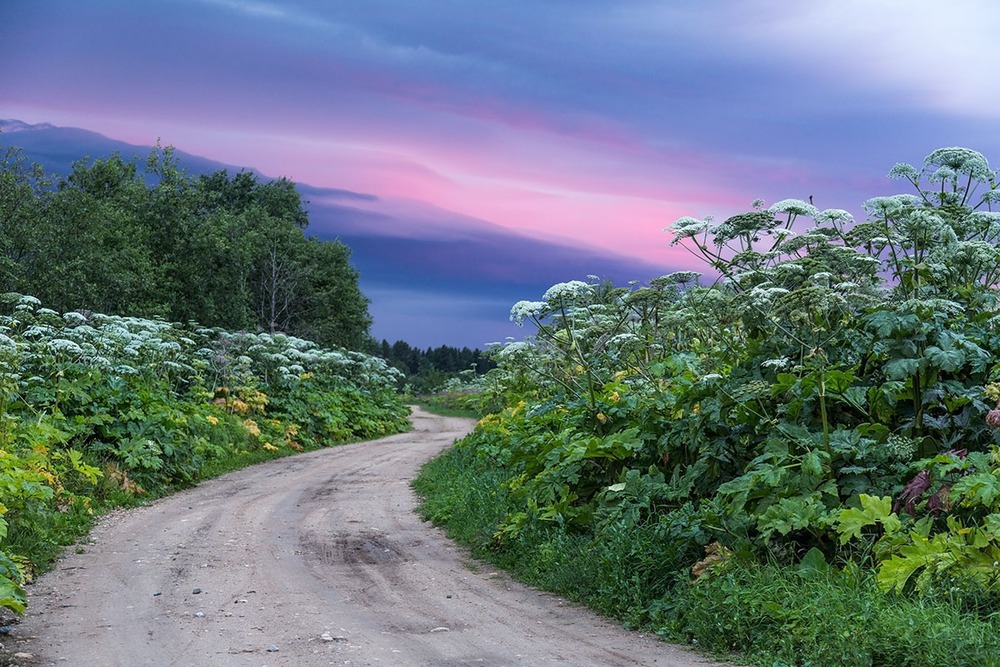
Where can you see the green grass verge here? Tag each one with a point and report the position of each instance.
(748, 613)
(450, 404)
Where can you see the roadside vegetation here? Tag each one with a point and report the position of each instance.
(153, 332)
(796, 464)
(449, 403)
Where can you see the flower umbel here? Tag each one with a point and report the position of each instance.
(526, 309)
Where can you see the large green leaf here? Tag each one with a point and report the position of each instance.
(873, 511)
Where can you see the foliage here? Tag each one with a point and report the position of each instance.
(783, 616)
(808, 614)
(148, 240)
(435, 369)
(831, 393)
(450, 404)
(100, 409)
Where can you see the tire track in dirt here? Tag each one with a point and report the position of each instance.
(316, 559)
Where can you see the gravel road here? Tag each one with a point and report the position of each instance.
(316, 559)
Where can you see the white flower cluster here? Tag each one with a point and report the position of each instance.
(763, 296)
(34, 337)
(943, 174)
(891, 205)
(834, 215)
(515, 350)
(687, 227)
(568, 291)
(523, 310)
(960, 160)
(776, 364)
(789, 267)
(74, 319)
(63, 346)
(904, 170)
(795, 207)
(286, 359)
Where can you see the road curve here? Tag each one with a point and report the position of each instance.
(316, 559)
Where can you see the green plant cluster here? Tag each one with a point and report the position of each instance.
(832, 396)
(98, 410)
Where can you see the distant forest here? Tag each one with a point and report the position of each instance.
(427, 370)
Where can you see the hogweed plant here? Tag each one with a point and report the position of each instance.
(832, 361)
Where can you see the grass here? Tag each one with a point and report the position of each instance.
(765, 615)
(448, 404)
(775, 616)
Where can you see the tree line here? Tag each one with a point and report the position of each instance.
(222, 250)
(428, 369)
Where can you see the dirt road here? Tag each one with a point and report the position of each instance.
(316, 559)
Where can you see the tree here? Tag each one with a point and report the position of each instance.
(23, 192)
(90, 244)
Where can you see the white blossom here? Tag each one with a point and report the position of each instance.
(687, 227)
(28, 300)
(74, 318)
(891, 205)
(903, 170)
(943, 174)
(526, 309)
(65, 346)
(767, 293)
(834, 215)
(624, 339)
(790, 267)
(794, 206)
(37, 330)
(567, 291)
(961, 160)
(514, 350)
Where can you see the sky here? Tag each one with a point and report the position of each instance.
(476, 149)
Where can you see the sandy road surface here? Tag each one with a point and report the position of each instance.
(316, 559)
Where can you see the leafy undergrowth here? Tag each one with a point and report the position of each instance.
(762, 614)
(99, 411)
(830, 403)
